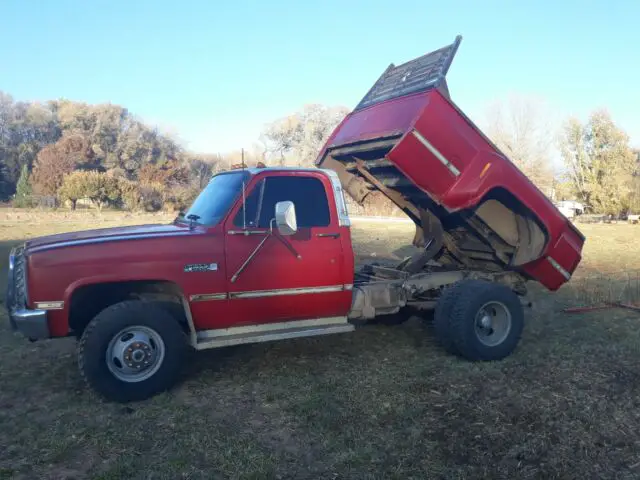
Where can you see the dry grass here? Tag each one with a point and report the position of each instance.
(384, 402)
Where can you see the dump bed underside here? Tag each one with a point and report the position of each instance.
(446, 240)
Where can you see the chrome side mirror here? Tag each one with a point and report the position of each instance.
(286, 218)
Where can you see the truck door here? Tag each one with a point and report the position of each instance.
(296, 277)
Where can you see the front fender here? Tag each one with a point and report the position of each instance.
(59, 320)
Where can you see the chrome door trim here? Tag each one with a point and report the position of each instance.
(288, 291)
(205, 297)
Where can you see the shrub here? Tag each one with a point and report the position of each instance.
(180, 198)
(23, 197)
(129, 194)
(151, 198)
(100, 188)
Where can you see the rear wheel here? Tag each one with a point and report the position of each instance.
(442, 317)
(131, 351)
(485, 320)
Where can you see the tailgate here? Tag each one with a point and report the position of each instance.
(418, 75)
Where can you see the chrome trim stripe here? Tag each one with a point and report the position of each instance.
(288, 291)
(452, 168)
(205, 297)
(559, 268)
(114, 238)
(49, 305)
(271, 327)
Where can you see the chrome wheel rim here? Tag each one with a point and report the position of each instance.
(492, 323)
(135, 354)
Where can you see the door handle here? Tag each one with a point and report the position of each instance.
(323, 235)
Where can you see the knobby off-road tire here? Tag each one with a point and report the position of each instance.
(479, 320)
(146, 348)
(442, 317)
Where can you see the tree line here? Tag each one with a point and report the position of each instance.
(68, 151)
(599, 168)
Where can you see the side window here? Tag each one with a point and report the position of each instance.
(308, 195)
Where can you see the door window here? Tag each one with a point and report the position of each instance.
(307, 194)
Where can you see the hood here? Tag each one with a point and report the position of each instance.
(104, 235)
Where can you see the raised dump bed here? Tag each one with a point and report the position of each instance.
(473, 208)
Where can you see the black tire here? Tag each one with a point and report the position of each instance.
(442, 317)
(474, 342)
(96, 338)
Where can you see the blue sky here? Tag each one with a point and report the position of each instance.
(215, 72)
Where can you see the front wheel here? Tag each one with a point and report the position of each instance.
(484, 322)
(131, 351)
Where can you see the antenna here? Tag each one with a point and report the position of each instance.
(244, 209)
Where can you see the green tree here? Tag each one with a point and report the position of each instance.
(23, 194)
(599, 162)
(102, 189)
(74, 187)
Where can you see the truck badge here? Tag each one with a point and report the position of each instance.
(201, 267)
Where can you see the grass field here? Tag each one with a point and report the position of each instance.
(383, 402)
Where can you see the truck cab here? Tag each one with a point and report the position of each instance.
(266, 254)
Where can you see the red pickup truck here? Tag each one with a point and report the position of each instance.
(265, 254)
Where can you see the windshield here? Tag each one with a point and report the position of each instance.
(216, 198)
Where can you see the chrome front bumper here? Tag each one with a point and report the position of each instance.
(30, 323)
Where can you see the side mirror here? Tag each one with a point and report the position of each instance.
(286, 218)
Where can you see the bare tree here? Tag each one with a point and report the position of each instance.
(202, 166)
(252, 156)
(297, 139)
(520, 126)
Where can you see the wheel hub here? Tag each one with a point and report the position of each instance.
(485, 322)
(135, 354)
(138, 355)
(493, 323)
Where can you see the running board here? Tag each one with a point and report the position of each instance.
(226, 337)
